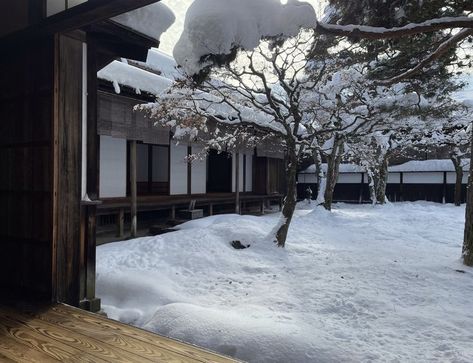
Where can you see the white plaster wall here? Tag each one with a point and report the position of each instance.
(57, 6)
(178, 177)
(249, 173)
(451, 176)
(348, 178)
(199, 173)
(394, 178)
(423, 178)
(234, 172)
(112, 167)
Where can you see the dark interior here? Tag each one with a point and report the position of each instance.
(219, 172)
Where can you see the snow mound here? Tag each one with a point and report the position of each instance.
(152, 20)
(359, 284)
(216, 27)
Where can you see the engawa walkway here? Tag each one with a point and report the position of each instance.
(65, 334)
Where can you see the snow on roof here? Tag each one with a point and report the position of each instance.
(427, 165)
(410, 166)
(163, 63)
(465, 95)
(218, 26)
(344, 168)
(123, 74)
(152, 20)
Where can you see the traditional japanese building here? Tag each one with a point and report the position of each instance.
(49, 188)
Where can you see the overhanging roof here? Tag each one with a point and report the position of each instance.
(87, 13)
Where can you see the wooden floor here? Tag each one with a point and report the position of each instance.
(61, 333)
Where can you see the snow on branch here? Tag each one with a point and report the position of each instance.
(370, 32)
(218, 27)
(432, 57)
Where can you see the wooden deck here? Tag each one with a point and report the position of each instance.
(61, 333)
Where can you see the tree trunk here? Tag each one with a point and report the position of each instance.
(290, 200)
(382, 181)
(320, 177)
(457, 163)
(333, 166)
(468, 236)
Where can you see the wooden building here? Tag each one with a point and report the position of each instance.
(49, 186)
(165, 180)
(429, 180)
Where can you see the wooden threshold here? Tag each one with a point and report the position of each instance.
(60, 333)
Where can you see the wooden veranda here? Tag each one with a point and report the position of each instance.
(60, 333)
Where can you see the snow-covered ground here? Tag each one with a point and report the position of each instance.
(360, 284)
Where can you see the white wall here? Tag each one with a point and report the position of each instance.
(178, 177)
(423, 178)
(349, 178)
(56, 6)
(234, 172)
(451, 177)
(199, 173)
(394, 178)
(249, 172)
(112, 167)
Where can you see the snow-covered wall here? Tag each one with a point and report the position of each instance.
(178, 178)
(199, 173)
(112, 167)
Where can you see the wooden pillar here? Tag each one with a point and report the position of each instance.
(361, 188)
(133, 187)
(211, 209)
(121, 223)
(444, 192)
(401, 197)
(237, 183)
(173, 212)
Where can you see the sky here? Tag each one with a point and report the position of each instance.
(179, 7)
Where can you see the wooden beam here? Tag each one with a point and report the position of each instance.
(133, 190)
(237, 182)
(87, 13)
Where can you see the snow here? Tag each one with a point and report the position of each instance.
(219, 26)
(344, 168)
(164, 64)
(427, 165)
(410, 166)
(360, 284)
(120, 73)
(152, 20)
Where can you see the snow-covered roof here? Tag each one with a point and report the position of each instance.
(152, 20)
(465, 95)
(427, 165)
(410, 166)
(163, 63)
(123, 74)
(344, 168)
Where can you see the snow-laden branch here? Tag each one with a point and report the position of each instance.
(370, 32)
(432, 57)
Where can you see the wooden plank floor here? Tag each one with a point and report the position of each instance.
(60, 333)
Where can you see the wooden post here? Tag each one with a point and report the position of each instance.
(444, 198)
(211, 209)
(134, 222)
(173, 212)
(121, 223)
(237, 183)
(262, 206)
